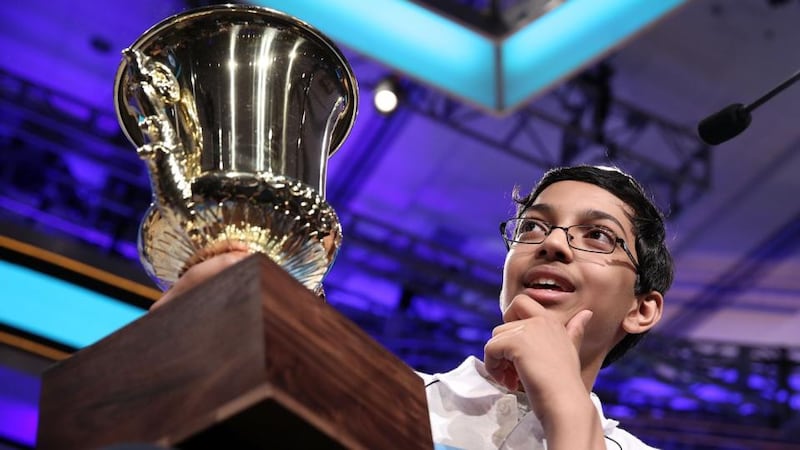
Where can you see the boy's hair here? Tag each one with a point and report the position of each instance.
(656, 269)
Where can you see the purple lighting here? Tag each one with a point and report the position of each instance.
(714, 393)
(19, 398)
(18, 421)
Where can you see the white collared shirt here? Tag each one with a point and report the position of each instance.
(470, 411)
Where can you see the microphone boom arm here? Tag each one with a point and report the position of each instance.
(789, 81)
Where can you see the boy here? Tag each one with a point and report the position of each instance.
(583, 280)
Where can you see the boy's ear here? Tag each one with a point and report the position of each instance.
(645, 313)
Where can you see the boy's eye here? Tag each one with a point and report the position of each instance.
(594, 237)
(529, 230)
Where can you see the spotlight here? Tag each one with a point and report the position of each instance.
(387, 95)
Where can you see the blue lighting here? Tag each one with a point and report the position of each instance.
(58, 310)
(483, 70)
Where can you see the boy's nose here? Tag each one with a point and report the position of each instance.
(556, 245)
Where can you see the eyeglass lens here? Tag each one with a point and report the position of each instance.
(593, 238)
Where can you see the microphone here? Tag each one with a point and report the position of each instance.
(731, 120)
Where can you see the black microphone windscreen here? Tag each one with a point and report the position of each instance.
(724, 124)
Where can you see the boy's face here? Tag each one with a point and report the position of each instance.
(565, 280)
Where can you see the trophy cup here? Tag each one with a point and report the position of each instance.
(235, 110)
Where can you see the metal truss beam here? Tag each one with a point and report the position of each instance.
(588, 125)
(746, 272)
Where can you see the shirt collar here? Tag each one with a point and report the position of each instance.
(471, 380)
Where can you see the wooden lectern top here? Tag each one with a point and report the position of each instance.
(248, 359)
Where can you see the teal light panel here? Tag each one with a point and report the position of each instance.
(58, 310)
(492, 73)
(408, 37)
(568, 38)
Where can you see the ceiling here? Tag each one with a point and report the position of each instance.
(420, 193)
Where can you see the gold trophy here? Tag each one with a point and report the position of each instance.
(235, 110)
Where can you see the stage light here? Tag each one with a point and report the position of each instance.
(387, 95)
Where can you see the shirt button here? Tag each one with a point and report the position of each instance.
(505, 406)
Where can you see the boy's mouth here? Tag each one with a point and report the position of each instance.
(549, 283)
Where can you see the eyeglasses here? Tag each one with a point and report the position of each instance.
(587, 238)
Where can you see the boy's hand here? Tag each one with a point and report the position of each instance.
(199, 273)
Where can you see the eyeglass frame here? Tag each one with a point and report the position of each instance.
(617, 242)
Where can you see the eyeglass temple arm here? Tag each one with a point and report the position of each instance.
(624, 246)
(503, 234)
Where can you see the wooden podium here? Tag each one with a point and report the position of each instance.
(250, 359)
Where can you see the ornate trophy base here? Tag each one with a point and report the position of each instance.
(249, 359)
(274, 215)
